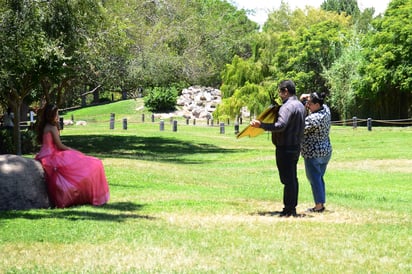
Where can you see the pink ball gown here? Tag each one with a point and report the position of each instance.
(72, 177)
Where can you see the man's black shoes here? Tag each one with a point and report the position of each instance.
(288, 213)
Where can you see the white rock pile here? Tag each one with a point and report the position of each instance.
(198, 102)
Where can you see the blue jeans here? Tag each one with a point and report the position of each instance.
(315, 169)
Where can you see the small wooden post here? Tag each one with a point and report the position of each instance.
(369, 123)
(236, 127)
(174, 125)
(111, 120)
(162, 125)
(222, 128)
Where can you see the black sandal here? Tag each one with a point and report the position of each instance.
(315, 210)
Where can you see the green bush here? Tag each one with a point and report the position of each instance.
(28, 142)
(6, 141)
(161, 99)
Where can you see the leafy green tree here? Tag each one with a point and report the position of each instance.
(43, 49)
(360, 20)
(226, 32)
(243, 85)
(189, 41)
(304, 45)
(298, 45)
(304, 54)
(238, 73)
(108, 52)
(363, 23)
(350, 7)
(341, 79)
(23, 47)
(386, 86)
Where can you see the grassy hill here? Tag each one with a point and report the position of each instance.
(102, 112)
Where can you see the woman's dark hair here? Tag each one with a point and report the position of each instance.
(289, 84)
(47, 115)
(317, 98)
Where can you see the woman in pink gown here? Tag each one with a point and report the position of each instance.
(72, 177)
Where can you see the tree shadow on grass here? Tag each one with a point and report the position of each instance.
(79, 213)
(142, 148)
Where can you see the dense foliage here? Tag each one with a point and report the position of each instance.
(44, 50)
(386, 86)
(161, 99)
(363, 63)
(63, 51)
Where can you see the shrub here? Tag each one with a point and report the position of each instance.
(6, 141)
(28, 142)
(161, 99)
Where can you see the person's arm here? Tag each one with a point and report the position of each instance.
(315, 121)
(56, 138)
(280, 124)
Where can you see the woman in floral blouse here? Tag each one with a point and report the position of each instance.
(316, 147)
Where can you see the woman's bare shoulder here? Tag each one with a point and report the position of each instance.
(49, 128)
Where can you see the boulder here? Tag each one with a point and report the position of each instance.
(81, 123)
(201, 102)
(22, 184)
(68, 122)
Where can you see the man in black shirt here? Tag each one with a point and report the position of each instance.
(287, 134)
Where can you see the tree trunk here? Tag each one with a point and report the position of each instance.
(16, 106)
(96, 96)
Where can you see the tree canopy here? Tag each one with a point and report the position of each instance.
(61, 50)
(386, 83)
(58, 50)
(362, 62)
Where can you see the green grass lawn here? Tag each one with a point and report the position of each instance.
(197, 201)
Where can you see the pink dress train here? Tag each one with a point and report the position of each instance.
(72, 177)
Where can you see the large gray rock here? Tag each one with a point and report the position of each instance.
(22, 184)
(199, 102)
